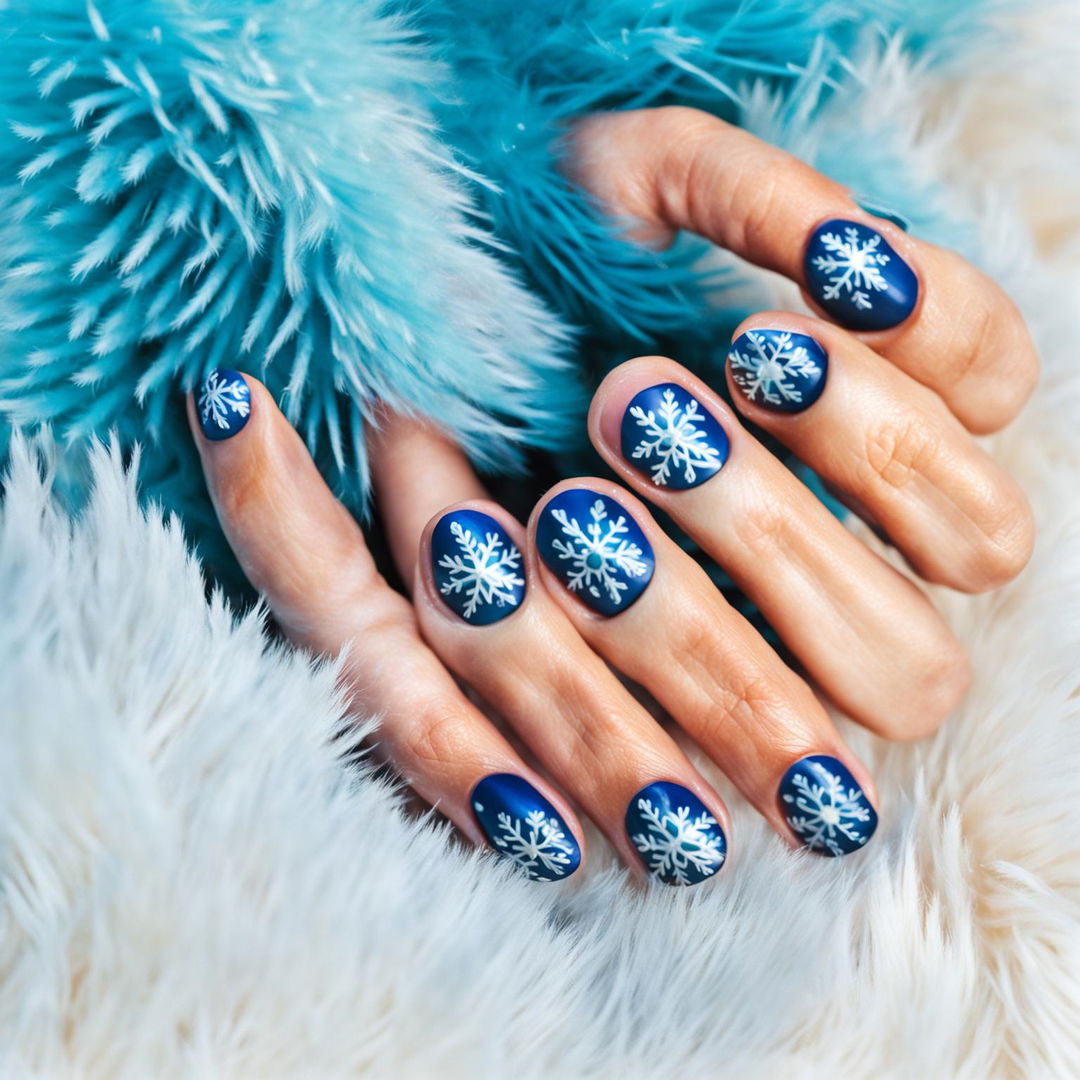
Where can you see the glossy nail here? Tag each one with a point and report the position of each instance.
(522, 825)
(595, 548)
(779, 370)
(670, 437)
(825, 807)
(223, 404)
(679, 841)
(477, 567)
(854, 275)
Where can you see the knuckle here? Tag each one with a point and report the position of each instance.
(765, 529)
(897, 450)
(438, 737)
(1005, 541)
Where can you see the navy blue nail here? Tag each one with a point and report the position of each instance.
(477, 567)
(778, 370)
(223, 404)
(596, 549)
(522, 825)
(825, 807)
(669, 436)
(853, 273)
(678, 840)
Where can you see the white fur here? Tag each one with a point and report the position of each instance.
(193, 884)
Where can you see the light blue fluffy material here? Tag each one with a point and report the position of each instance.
(360, 201)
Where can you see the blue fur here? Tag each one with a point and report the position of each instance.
(360, 201)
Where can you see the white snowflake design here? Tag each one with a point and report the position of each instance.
(673, 438)
(221, 396)
(853, 266)
(598, 553)
(770, 366)
(538, 844)
(828, 811)
(484, 572)
(677, 845)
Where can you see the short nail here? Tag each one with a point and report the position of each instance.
(477, 567)
(854, 275)
(778, 370)
(522, 825)
(596, 549)
(670, 437)
(825, 807)
(223, 404)
(678, 840)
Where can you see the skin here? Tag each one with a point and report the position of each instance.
(892, 434)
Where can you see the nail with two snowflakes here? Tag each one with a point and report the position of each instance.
(223, 404)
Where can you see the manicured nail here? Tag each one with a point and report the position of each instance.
(596, 549)
(223, 404)
(778, 370)
(477, 567)
(670, 437)
(853, 273)
(678, 840)
(825, 807)
(522, 825)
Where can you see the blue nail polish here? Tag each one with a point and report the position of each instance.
(678, 840)
(223, 404)
(596, 549)
(477, 567)
(522, 825)
(670, 437)
(854, 275)
(825, 807)
(778, 370)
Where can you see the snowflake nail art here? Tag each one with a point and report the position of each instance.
(596, 549)
(522, 825)
(670, 437)
(223, 404)
(678, 840)
(477, 567)
(825, 807)
(853, 273)
(779, 370)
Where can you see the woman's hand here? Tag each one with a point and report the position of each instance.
(530, 619)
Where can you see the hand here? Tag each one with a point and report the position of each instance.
(881, 414)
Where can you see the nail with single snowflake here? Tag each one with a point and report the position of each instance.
(524, 827)
(778, 370)
(477, 567)
(596, 549)
(223, 404)
(854, 275)
(825, 807)
(679, 840)
(670, 437)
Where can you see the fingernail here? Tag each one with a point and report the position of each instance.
(678, 840)
(854, 275)
(595, 549)
(670, 437)
(825, 807)
(778, 370)
(477, 567)
(223, 404)
(522, 825)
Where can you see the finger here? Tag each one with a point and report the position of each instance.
(479, 608)
(303, 551)
(888, 443)
(650, 610)
(924, 308)
(863, 632)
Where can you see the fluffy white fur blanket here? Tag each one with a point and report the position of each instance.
(193, 884)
